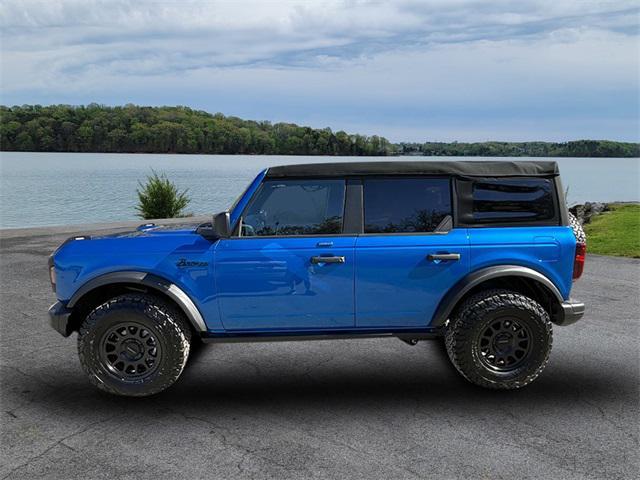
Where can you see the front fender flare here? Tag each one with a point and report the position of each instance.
(152, 281)
(458, 291)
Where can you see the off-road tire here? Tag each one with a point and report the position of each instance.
(477, 316)
(159, 319)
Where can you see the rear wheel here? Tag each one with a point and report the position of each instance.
(499, 339)
(134, 345)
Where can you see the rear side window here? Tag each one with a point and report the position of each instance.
(405, 205)
(295, 207)
(513, 200)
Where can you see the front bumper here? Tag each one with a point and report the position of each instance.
(59, 318)
(572, 311)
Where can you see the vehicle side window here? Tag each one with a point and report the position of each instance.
(295, 207)
(405, 205)
(508, 200)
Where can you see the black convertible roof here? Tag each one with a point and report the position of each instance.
(401, 167)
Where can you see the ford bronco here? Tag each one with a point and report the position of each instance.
(482, 254)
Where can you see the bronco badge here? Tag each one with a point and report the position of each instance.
(183, 262)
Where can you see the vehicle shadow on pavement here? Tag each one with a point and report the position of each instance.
(236, 386)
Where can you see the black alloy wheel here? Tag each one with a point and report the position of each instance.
(130, 351)
(504, 344)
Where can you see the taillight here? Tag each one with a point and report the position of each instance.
(578, 261)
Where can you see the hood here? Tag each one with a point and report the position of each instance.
(152, 229)
(147, 238)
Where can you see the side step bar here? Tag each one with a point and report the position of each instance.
(408, 337)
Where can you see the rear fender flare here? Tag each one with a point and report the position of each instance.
(459, 290)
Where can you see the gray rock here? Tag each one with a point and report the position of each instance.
(585, 212)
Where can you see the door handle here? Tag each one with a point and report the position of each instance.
(443, 256)
(318, 259)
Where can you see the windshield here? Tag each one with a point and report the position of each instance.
(235, 203)
(236, 209)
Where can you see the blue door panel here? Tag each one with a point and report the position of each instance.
(266, 284)
(397, 285)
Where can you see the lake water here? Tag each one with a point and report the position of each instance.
(38, 189)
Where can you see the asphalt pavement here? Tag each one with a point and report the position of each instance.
(340, 409)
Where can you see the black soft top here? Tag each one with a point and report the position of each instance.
(401, 167)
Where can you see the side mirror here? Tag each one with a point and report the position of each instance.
(218, 228)
(222, 224)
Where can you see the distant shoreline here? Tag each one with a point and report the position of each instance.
(180, 130)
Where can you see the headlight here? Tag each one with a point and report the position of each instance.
(52, 277)
(52, 273)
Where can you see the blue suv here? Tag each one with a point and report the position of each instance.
(480, 253)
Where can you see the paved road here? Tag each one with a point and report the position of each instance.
(374, 408)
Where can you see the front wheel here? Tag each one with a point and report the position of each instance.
(499, 339)
(134, 345)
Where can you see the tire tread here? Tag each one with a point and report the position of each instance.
(152, 306)
(459, 335)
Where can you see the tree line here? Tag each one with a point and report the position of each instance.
(136, 129)
(578, 148)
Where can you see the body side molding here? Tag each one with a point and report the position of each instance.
(153, 281)
(458, 291)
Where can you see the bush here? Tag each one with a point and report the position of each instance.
(160, 198)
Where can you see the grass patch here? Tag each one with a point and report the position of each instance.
(616, 232)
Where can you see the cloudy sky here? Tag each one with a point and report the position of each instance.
(407, 69)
